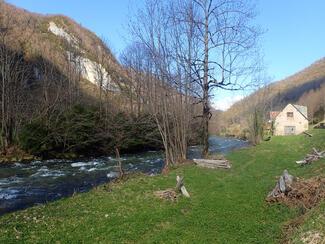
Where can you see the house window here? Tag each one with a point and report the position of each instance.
(290, 114)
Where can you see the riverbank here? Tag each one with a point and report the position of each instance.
(225, 206)
(15, 154)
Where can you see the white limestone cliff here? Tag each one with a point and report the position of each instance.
(90, 70)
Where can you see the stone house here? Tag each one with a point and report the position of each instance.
(292, 120)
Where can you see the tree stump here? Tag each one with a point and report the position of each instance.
(180, 186)
(282, 186)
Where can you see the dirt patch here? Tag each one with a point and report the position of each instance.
(290, 227)
(313, 237)
(302, 193)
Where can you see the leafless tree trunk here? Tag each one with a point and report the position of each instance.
(258, 108)
(227, 41)
(101, 74)
(74, 70)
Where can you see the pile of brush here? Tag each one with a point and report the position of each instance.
(298, 192)
(312, 157)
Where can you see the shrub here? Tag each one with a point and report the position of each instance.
(34, 138)
(82, 131)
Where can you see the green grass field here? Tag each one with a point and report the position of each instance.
(226, 206)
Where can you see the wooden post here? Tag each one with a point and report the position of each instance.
(180, 186)
(119, 165)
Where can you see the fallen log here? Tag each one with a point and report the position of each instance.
(213, 164)
(307, 134)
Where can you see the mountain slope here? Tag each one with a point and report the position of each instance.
(64, 44)
(62, 91)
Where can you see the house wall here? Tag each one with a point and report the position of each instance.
(298, 120)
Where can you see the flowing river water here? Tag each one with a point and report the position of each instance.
(36, 182)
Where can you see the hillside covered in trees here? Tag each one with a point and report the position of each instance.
(63, 93)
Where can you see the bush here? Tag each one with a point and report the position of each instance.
(132, 134)
(34, 138)
(77, 130)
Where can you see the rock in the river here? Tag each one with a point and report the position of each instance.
(112, 175)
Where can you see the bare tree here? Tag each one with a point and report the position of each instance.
(227, 41)
(257, 111)
(165, 44)
(14, 74)
(134, 59)
(51, 85)
(193, 47)
(101, 75)
(73, 69)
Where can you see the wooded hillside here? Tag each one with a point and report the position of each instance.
(63, 91)
(306, 87)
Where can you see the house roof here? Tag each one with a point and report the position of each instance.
(274, 114)
(301, 109)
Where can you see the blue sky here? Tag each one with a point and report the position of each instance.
(294, 38)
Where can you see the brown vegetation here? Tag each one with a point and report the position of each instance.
(41, 77)
(302, 193)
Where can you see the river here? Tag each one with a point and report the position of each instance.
(37, 182)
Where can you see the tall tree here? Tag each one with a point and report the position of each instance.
(227, 43)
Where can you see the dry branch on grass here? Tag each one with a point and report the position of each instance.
(172, 194)
(308, 134)
(314, 156)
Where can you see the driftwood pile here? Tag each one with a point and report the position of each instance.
(168, 194)
(314, 156)
(172, 194)
(213, 164)
(298, 192)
